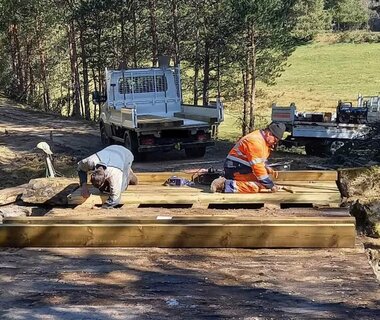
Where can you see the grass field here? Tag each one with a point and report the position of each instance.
(318, 76)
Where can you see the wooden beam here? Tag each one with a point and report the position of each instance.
(339, 218)
(305, 175)
(169, 197)
(324, 186)
(184, 235)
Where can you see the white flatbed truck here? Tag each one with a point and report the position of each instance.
(143, 110)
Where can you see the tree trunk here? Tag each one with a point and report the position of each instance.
(252, 93)
(244, 124)
(196, 68)
(123, 37)
(69, 99)
(27, 70)
(74, 70)
(43, 69)
(153, 30)
(12, 48)
(16, 58)
(86, 91)
(96, 89)
(206, 73)
(218, 73)
(175, 31)
(134, 20)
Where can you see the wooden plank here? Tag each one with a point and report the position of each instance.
(216, 235)
(305, 175)
(207, 219)
(199, 197)
(296, 185)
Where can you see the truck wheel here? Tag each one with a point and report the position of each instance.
(310, 149)
(196, 152)
(130, 142)
(105, 139)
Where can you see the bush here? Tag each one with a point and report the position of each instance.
(359, 37)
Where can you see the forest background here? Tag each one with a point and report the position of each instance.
(250, 53)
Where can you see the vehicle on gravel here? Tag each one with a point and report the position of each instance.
(143, 110)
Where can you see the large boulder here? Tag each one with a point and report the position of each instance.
(361, 188)
(49, 191)
(360, 182)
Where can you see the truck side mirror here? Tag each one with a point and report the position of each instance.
(97, 97)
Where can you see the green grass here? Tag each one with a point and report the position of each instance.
(318, 76)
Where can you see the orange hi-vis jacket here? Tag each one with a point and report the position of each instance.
(250, 152)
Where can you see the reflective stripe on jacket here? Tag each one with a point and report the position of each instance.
(253, 151)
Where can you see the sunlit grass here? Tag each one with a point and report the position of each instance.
(317, 76)
(320, 74)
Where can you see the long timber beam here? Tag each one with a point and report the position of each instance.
(185, 233)
(305, 175)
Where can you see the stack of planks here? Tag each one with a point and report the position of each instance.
(312, 188)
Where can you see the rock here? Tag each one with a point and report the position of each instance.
(49, 191)
(359, 182)
(10, 195)
(367, 217)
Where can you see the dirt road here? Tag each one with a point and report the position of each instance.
(164, 283)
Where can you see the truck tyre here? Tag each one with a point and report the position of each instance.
(310, 149)
(105, 139)
(195, 152)
(321, 148)
(131, 143)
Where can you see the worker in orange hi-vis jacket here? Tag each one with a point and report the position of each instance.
(245, 167)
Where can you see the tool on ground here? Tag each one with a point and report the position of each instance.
(207, 176)
(287, 189)
(281, 166)
(175, 181)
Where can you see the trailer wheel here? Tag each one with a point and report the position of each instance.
(195, 152)
(328, 148)
(343, 118)
(336, 147)
(105, 139)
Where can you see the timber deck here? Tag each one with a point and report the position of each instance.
(328, 228)
(312, 188)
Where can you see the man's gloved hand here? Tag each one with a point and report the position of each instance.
(276, 188)
(272, 172)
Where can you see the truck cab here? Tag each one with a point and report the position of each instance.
(143, 110)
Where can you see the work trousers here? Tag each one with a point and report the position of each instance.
(240, 178)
